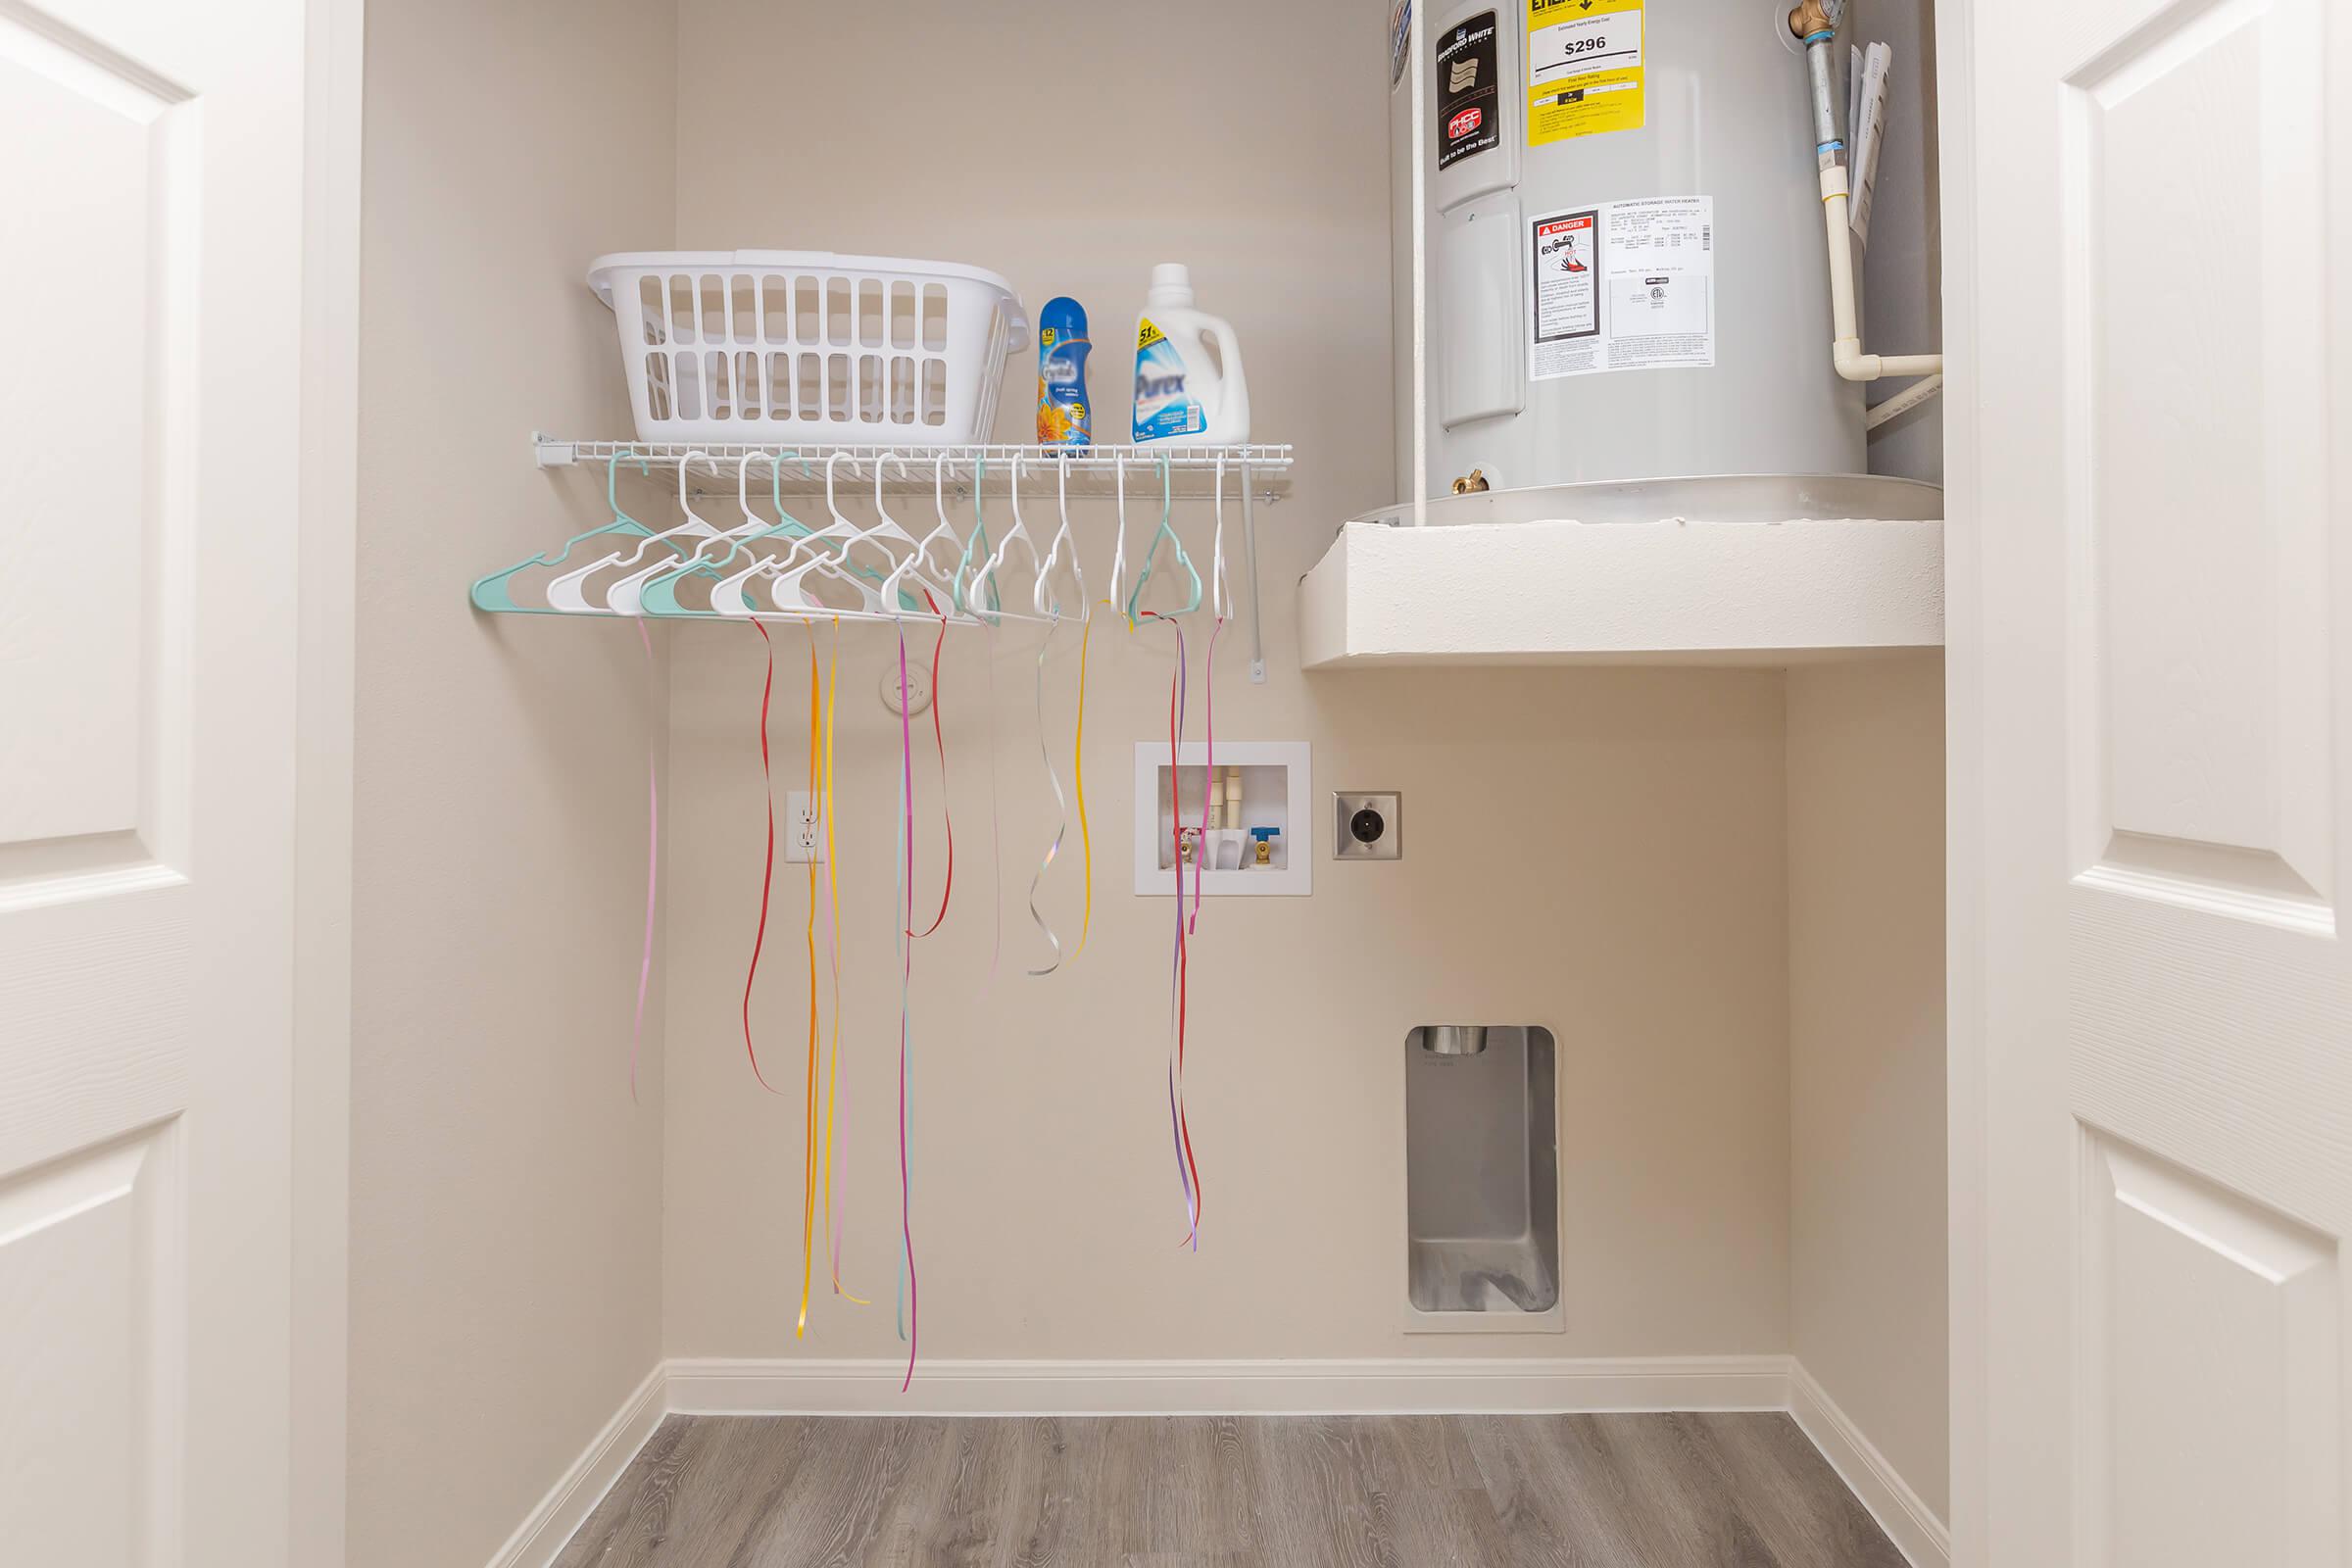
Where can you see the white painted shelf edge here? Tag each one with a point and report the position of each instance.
(1259, 470)
(1627, 593)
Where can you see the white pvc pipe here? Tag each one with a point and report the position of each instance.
(1903, 401)
(1846, 348)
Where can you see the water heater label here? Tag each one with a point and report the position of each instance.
(1468, 93)
(1622, 287)
(1583, 68)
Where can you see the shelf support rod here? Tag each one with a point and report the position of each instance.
(1257, 626)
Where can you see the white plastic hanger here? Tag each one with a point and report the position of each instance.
(1220, 595)
(885, 525)
(944, 533)
(1041, 594)
(985, 577)
(731, 596)
(569, 593)
(1118, 553)
(905, 569)
(786, 589)
(626, 596)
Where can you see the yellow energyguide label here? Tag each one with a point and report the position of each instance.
(1583, 68)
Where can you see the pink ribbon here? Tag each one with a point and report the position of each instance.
(653, 882)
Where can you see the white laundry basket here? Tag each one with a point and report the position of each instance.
(770, 346)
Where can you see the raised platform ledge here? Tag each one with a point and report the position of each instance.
(1623, 593)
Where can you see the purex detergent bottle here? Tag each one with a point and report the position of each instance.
(1181, 392)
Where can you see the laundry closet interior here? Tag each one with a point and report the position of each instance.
(1601, 1071)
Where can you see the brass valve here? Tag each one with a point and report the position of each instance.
(1473, 481)
(1814, 16)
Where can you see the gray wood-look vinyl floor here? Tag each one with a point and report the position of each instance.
(1231, 1491)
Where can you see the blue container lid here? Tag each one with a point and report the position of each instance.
(1062, 321)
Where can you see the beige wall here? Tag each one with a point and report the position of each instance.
(505, 1195)
(1866, 1052)
(1598, 851)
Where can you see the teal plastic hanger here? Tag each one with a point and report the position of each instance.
(978, 545)
(1167, 501)
(661, 595)
(493, 594)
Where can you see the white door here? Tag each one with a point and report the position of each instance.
(2153, 683)
(150, 332)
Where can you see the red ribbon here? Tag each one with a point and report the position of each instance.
(768, 868)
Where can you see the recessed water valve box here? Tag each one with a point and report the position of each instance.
(1232, 822)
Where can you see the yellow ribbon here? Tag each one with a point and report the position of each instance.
(833, 883)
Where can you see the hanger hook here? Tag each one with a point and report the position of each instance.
(1118, 553)
(613, 476)
(830, 460)
(685, 465)
(890, 459)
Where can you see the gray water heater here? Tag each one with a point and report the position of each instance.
(1608, 228)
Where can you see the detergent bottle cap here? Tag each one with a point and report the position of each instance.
(1171, 284)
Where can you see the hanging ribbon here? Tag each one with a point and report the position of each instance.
(1086, 839)
(909, 1298)
(940, 738)
(809, 1150)
(1208, 694)
(767, 869)
(1188, 1168)
(1062, 824)
(833, 957)
(653, 882)
(996, 821)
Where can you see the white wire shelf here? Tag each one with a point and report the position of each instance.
(1249, 475)
(1258, 471)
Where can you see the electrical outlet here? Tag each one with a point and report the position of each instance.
(802, 828)
(1367, 825)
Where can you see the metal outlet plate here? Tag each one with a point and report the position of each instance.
(1350, 826)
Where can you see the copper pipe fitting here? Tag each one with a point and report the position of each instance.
(1811, 17)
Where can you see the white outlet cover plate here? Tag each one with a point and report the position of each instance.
(800, 830)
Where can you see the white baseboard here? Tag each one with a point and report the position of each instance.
(1450, 1385)
(1909, 1523)
(1440, 1384)
(567, 1506)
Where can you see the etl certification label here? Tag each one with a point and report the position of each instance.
(1583, 68)
(1622, 287)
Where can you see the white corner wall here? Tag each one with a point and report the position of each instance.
(505, 1192)
(1867, 1230)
